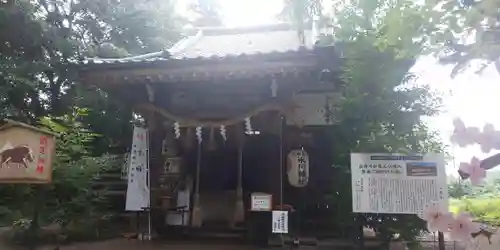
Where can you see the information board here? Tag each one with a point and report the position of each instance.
(261, 202)
(280, 222)
(398, 184)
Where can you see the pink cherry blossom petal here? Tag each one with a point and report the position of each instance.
(473, 134)
(430, 213)
(477, 173)
(474, 161)
(487, 138)
(465, 167)
(484, 243)
(436, 219)
(442, 223)
(488, 128)
(474, 171)
(461, 139)
(477, 176)
(458, 124)
(496, 140)
(462, 227)
(466, 136)
(459, 134)
(495, 238)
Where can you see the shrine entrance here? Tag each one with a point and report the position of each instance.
(225, 126)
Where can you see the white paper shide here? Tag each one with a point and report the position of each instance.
(398, 184)
(280, 222)
(138, 170)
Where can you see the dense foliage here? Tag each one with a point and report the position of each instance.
(481, 201)
(459, 189)
(484, 210)
(70, 201)
(472, 35)
(40, 44)
(382, 108)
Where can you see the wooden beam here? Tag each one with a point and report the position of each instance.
(230, 70)
(285, 109)
(491, 162)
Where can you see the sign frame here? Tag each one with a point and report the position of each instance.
(395, 177)
(257, 199)
(41, 163)
(276, 216)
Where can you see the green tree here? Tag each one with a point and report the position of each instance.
(70, 200)
(382, 108)
(470, 31)
(208, 13)
(458, 189)
(41, 41)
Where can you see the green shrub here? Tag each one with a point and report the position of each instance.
(70, 199)
(483, 210)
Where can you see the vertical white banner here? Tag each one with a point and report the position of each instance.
(138, 170)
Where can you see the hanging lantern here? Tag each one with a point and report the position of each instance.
(298, 168)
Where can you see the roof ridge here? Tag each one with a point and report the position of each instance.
(217, 31)
(8, 123)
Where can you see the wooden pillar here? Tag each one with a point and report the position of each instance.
(156, 135)
(276, 159)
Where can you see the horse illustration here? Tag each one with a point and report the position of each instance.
(20, 154)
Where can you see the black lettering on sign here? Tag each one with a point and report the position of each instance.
(396, 157)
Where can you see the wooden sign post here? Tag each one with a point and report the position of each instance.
(26, 156)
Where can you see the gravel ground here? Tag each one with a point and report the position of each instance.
(428, 242)
(124, 244)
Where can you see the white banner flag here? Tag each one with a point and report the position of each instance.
(138, 170)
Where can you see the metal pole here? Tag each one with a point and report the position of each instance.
(34, 226)
(148, 180)
(441, 245)
(281, 161)
(281, 169)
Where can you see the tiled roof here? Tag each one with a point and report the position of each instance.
(210, 43)
(248, 41)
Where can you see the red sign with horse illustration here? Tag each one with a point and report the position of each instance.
(26, 154)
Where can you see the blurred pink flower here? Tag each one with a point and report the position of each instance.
(462, 227)
(437, 220)
(474, 170)
(483, 242)
(462, 135)
(495, 238)
(489, 138)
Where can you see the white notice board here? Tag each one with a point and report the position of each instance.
(280, 222)
(261, 202)
(398, 184)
